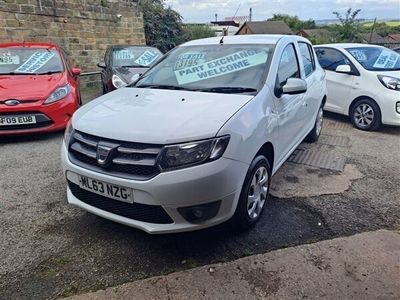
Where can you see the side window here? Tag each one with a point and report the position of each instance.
(329, 59)
(288, 66)
(307, 57)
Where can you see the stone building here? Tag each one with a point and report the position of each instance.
(84, 28)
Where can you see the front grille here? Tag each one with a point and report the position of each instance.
(126, 159)
(41, 121)
(136, 211)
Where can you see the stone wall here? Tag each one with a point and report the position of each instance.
(83, 28)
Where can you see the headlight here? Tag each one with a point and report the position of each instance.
(68, 133)
(59, 94)
(390, 82)
(190, 154)
(118, 82)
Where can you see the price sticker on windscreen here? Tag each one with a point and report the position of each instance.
(359, 55)
(147, 58)
(221, 66)
(124, 54)
(36, 61)
(189, 60)
(9, 59)
(386, 60)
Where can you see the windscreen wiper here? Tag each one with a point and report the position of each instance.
(48, 73)
(229, 90)
(163, 87)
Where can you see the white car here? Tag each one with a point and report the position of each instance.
(195, 141)
(363, 83)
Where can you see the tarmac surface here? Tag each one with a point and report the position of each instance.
(363, 266)
(49, 249)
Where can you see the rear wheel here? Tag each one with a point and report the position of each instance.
(366, 115)
(314, 134)
(254, 194)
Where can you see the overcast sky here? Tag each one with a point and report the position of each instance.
(204, 10)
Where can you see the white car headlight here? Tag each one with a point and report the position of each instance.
(189, 154)
(391, 83)
(59, 94)
(118, 82)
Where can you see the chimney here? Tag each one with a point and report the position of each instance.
(251, 14)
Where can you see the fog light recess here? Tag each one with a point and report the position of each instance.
(200, 213)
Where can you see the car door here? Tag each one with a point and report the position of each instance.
(312, 98)
(338, 85)
(289, 108)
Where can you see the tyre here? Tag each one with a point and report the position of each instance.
(314, 134)
(366, 115)
(254, 194)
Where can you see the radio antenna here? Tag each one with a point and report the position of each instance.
(227, 29)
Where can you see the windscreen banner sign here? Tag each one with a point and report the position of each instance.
(147, 58)
(386, 60)
(35, 62)
(221, 66)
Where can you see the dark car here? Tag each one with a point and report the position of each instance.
(122, 63)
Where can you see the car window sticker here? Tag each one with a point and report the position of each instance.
(190, 59)
(386, 60)
(6, 58)
(124, 54)
(359, 55)
(147, 58)
(37, 60)
(221, 66)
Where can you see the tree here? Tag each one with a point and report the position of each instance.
(294, 22)
(194, 32)
(349, 29)
(162, 25)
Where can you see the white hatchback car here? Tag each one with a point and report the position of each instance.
(363, 82)
(195, 141)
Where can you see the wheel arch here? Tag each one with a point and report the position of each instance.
(268, 151)
(351, 106)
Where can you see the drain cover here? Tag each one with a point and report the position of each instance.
(335, 140)
(324, 160)
(337, 125)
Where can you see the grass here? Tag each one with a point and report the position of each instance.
(389, 23)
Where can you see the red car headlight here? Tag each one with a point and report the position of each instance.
(59, 94)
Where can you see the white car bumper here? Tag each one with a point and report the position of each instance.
(216, 181)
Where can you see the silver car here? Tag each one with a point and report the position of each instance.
(195, 141)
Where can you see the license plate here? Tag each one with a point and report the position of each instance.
(105, 189)
(17, 120)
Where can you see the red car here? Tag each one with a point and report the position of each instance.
(39, 88)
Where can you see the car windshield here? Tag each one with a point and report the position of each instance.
(17, 61)
(135, 57)
(211, 68)
(376, 58)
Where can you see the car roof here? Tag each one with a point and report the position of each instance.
(29, 45)
(245, 39)
(347, 45)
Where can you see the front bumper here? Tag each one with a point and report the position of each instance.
(220, 180)
(388, 103)
(59, 114)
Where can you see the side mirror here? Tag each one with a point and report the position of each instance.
(344, 69)
(102, 65)
(294, 86)
(76, 71)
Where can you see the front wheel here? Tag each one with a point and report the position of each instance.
(366, 115)
(254, 194)
(314, 134)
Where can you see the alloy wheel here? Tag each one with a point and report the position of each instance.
(364, 115)
(258, 192)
